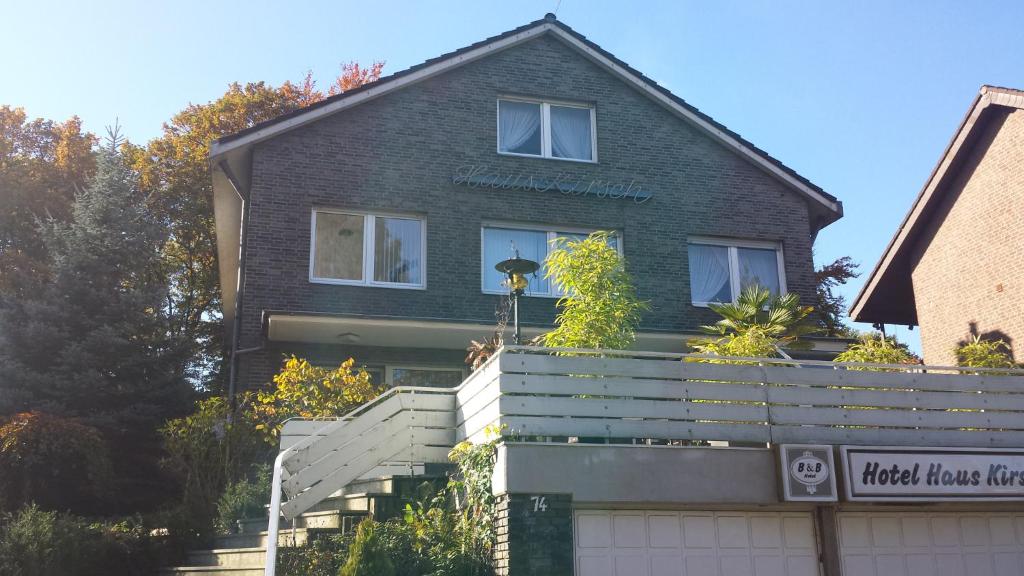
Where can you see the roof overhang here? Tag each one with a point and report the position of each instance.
(888, 296)
(232, 154)
(433, 333)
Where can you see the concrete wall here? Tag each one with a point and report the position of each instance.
(968, 269)
(399, 152)
(638, 475)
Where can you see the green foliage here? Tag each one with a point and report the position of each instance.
(600, 308)
(205, 452)
(978, 353)
(831, 307)
(34, 542)
(450, 533)
(756, 325)
(323, 556)
(89, 340)
(245, 499)
(306, 391)
(876, 349)
(55, 462)
(367, 557)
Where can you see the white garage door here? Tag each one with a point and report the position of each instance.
(917, 544)
(657, 543)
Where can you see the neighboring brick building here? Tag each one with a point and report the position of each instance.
(956, 264)
(388, 164)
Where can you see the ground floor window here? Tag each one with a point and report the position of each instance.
(720, 269)
(400, 375)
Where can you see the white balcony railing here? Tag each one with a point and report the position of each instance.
(534, 394)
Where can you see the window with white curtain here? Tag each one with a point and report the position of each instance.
(532, 243)
(546, 129)
(367, 249)
(721, 269)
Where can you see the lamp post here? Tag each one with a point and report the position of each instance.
(516, 269)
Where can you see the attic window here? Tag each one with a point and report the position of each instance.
(546, 130)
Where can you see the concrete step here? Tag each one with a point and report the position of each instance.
(229, 557)
(211, 571)
(286, 537)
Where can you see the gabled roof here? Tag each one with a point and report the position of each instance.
(230, 155)
(887, 296)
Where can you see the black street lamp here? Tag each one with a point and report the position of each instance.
(516, 270)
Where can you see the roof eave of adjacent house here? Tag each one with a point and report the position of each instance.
(870, 304)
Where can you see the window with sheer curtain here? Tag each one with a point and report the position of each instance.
(367, 249)
(721, 269)
(501, 243)
(545, 129)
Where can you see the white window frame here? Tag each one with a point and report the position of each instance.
(545, 128)
(552, 233)
(369, 229)
(733, 246)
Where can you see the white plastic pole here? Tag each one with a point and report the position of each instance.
(273, 527)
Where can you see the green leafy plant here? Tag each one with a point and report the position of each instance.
(367, 557)
(245, 499)
(34, 542)
(600, 308)
(877, 349)
(206, 451)
(55, 462)
(756, 325)
(302, 390)
(978, 353)
(322, 556)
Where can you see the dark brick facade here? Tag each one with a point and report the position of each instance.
(534, 537)
(399, 152)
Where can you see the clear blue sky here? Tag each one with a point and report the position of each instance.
(859, 97)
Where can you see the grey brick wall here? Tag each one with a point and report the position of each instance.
(534, 541)
(399, 152)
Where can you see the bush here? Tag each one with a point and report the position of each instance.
(208, 450)
(306, 391)
(55, 462)
(601, 308)
(34, 542)
(756, 325)
(323, 556)
(980, 353)
(876, 349)
(367, 556)
(244, 499)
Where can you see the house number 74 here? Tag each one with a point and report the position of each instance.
(540, 503)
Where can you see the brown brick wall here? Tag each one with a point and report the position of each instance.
(968, 271)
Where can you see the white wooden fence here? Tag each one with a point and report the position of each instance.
(536, 394)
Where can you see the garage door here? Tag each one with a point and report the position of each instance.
(658, 543)
(917, 544)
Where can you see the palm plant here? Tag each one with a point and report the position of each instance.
(757, 324)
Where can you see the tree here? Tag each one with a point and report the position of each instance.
(175, 172)
(756, 325)
(875, 348)
(88, 339)
(980, 353)
(42, 163)
(600, 308)
(831, 307)
(302, 390)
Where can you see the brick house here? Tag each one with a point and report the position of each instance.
(368, 225)
(415, 155)
(956, 264)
